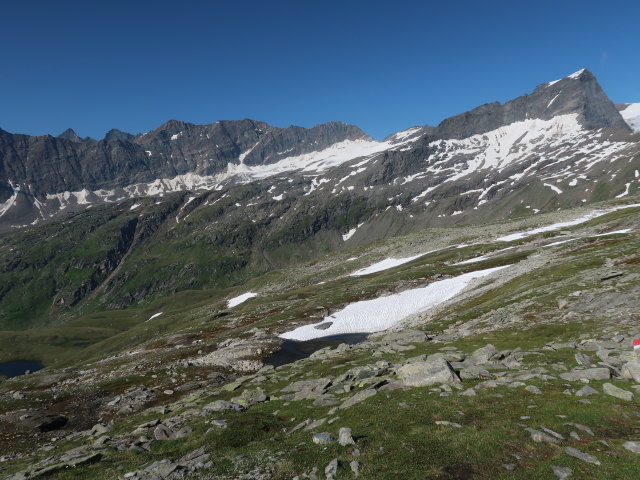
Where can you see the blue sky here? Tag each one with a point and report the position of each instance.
(383, 66)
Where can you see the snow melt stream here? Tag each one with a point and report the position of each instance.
(368, 316)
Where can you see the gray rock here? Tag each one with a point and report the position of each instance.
(562, 473)
(432, 372)
(355, 467)
(322, 438)
(221, 406)
(345, 438)
(162, 432)
(448, 424)
(533, 389)
(332, 469)
(617, 392)
(583, 360)
(484, 354)
(473, 372)
(323, 326)
(632, 447)
(611, 274)
(552, 433)
(585, 457)
(358, 397)
(586, 391)
(315, 385)
(181, 433)
(631, 370)
(587, 374)
(219, 423)
(581, 427)
(100, 429)
(251, 397)
(100, 441)
(539, 437)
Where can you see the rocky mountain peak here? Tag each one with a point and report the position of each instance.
(115, 134)
(69, 134)
(579, 93)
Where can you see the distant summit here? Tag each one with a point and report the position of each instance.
(69, 134)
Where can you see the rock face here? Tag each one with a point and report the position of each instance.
(66, 163)
(40, 176)
(433, 372)
(579, 92)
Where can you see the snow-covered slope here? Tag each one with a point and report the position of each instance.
(631, 114)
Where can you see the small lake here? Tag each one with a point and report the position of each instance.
(14, 369)
(292, 350)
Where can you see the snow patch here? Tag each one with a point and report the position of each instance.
(553, 187)
(381, 313)
(386, 264)
(626, 191)
(155, 315)
(561, 225)
(232, 302)
(349, 234)
(615, 232)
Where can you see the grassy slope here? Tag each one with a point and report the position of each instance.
(412, 445)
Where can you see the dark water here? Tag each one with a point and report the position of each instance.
(13, 369)
(292, 350)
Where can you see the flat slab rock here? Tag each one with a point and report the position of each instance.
(587, 374)
(436, 371)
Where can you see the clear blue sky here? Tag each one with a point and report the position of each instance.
(383, 66)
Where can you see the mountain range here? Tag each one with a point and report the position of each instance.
(550, 141)
(92, 225)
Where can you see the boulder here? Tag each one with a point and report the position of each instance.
(632, 447)
(162, 432)
(221, 406)
(631, 370)
(585, 457)
(539, 437)
(587, 374)
(251, 397)
(345, 438)
(484, 354)
(611, 389)
(322, 438)
(432, 372)
(586, 391)
(583, 359)
(332, 469)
